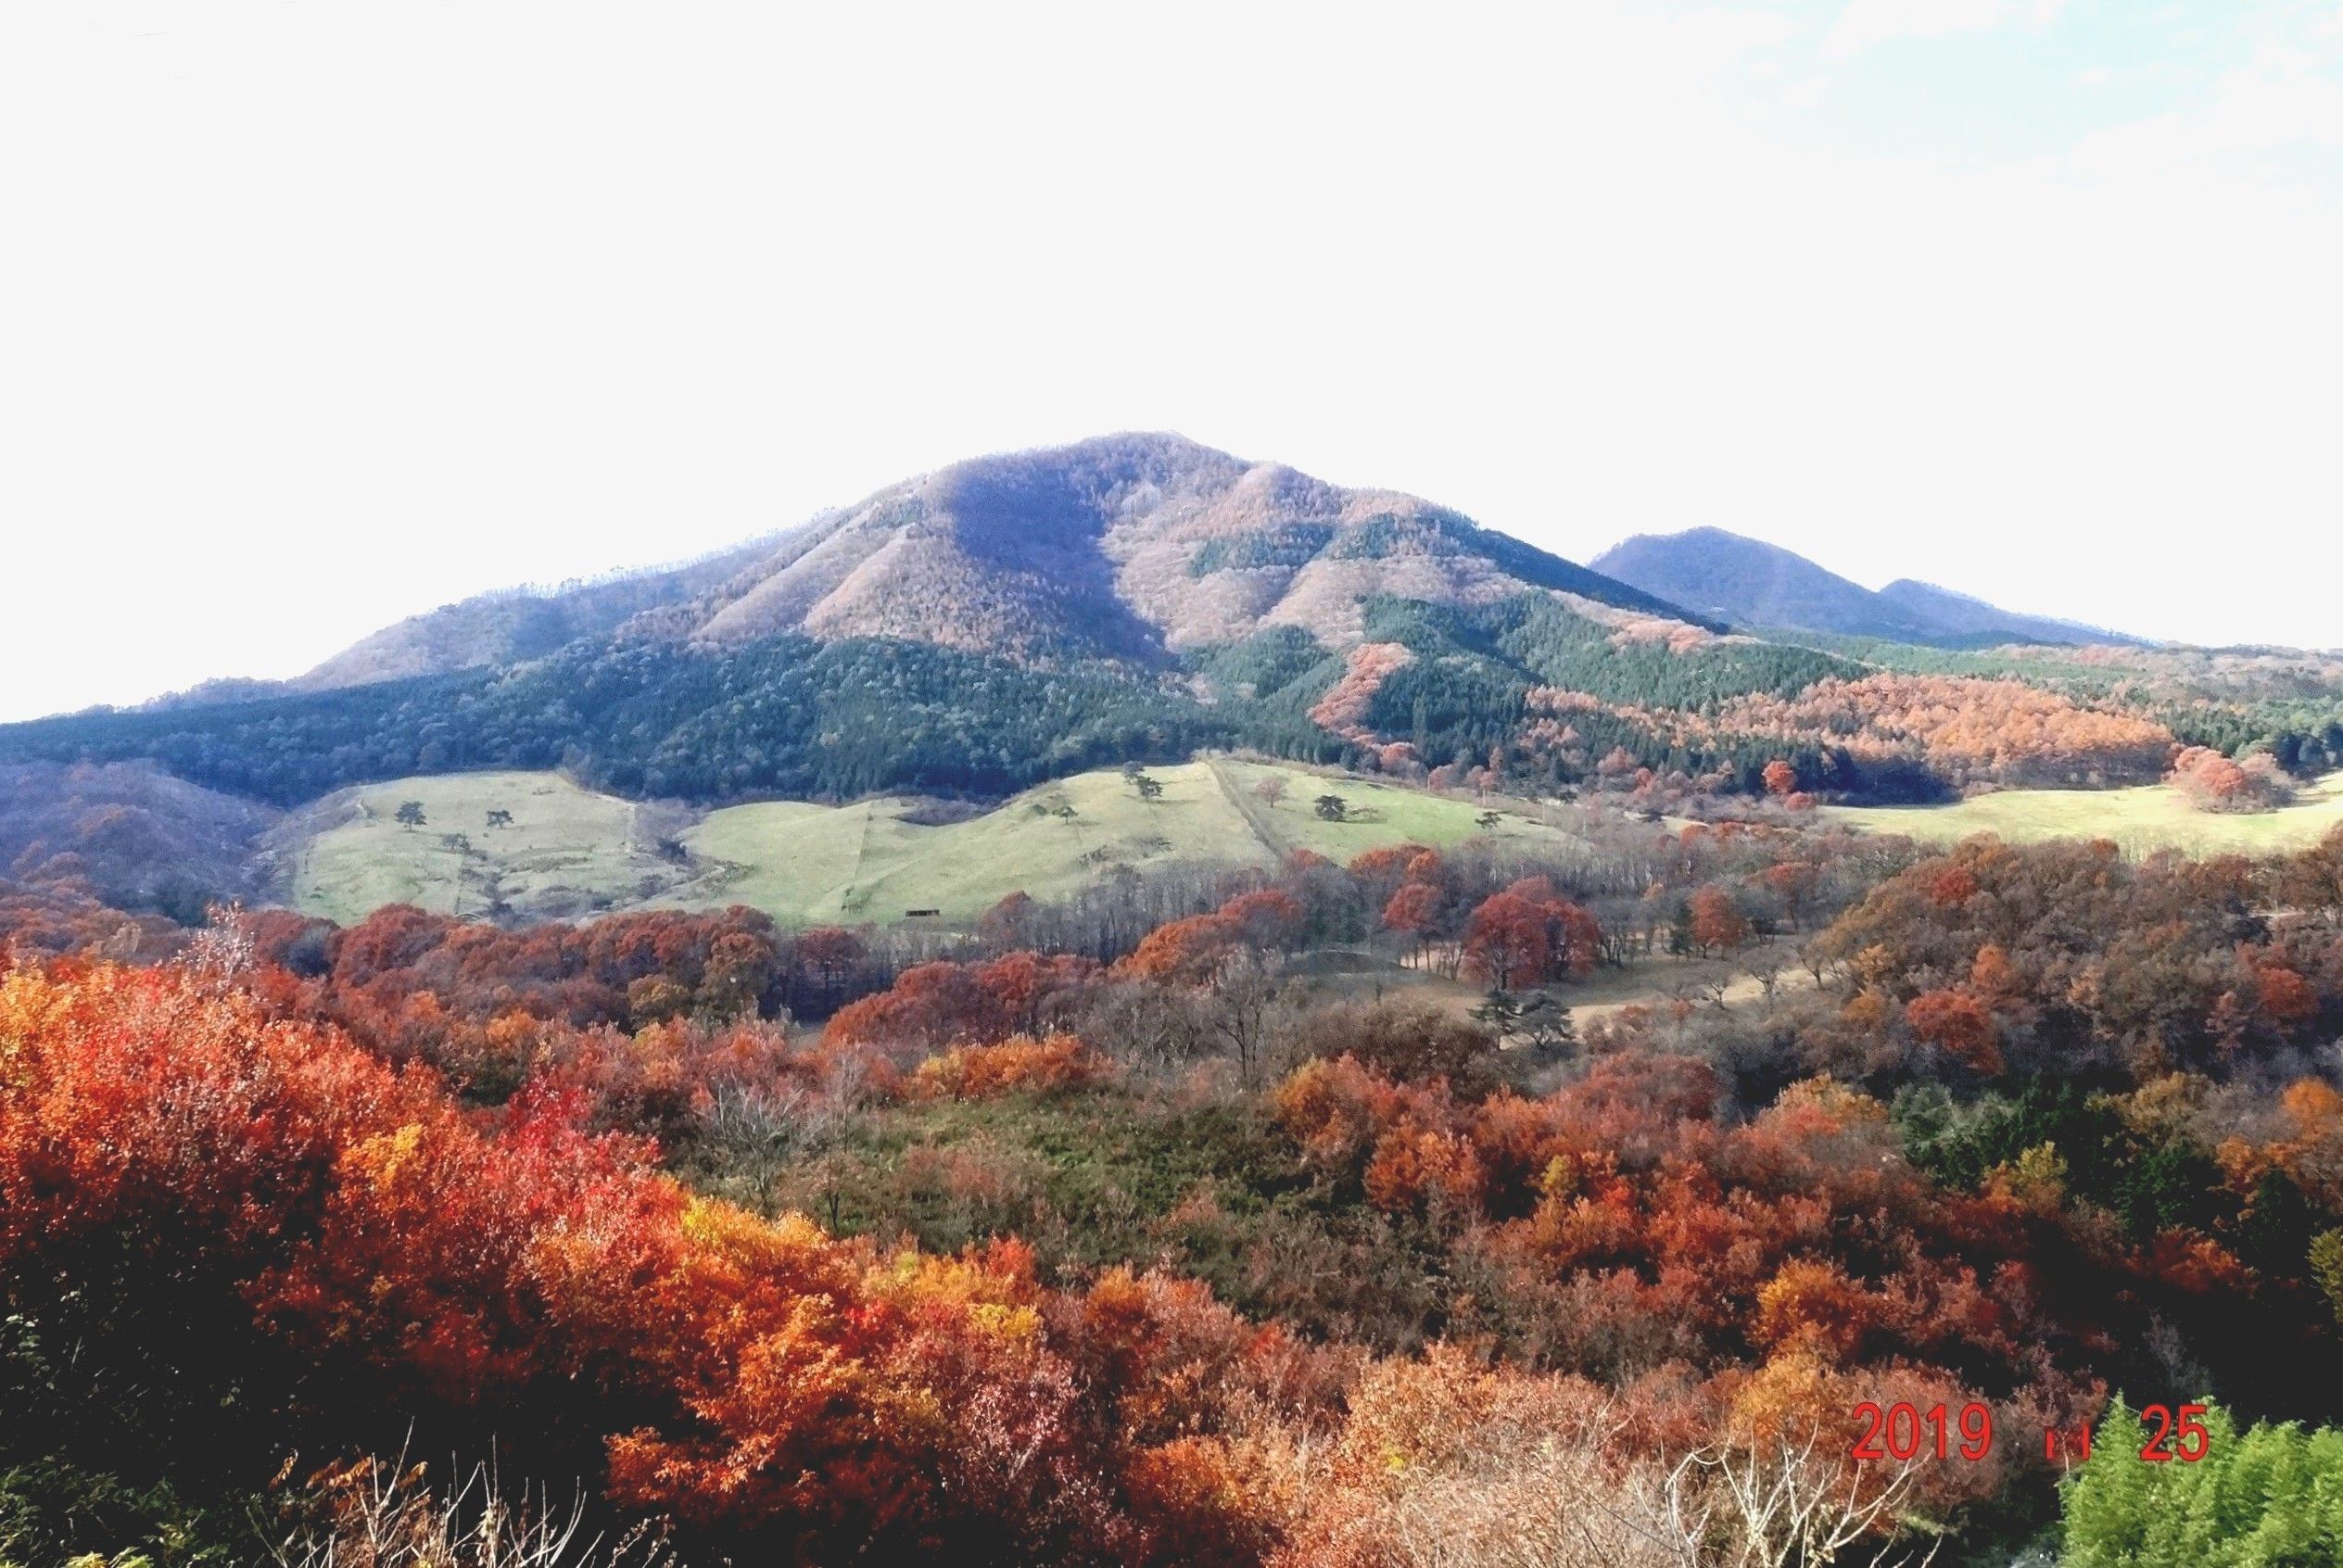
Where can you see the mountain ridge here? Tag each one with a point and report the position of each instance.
(1754, 583)
(1135, 547)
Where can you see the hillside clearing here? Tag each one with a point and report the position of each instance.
(811, 864)
(570, 851)
(566, 852)
(1337, 974)
(2141, 821)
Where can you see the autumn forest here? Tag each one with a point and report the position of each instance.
(1630, 1146)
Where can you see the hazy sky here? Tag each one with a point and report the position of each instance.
(314, 315)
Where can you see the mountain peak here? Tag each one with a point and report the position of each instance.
(1137, 546)
(1713, 571)
(1753, 583)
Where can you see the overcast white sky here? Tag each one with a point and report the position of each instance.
(314, 315)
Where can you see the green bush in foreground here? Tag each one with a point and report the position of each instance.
(2272, 1497)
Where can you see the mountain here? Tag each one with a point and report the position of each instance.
(1752, 583)
(1143, 598)
(517, 624)
(975, 632)
(1135, 547)
(1965, 617)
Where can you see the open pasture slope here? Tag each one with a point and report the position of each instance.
(565, 852)
(569, 851)
(2142, 820)
(810, 864)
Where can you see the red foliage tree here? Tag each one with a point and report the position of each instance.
(1415, 911)
(1506, 941)
(932, 1006)
(1527, 934)
(1718, 923)
(1958, 1025)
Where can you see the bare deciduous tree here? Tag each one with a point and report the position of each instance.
(1764, 964)
(1242, 991)
(1779, 1501)
(381, 1516)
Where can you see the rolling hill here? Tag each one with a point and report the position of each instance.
(1752, 583)
(505, 843)
(563, 852)
(872, 862)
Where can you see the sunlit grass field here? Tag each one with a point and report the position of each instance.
(2141, 821)
(570, 850)
(566, 852)
(811, 862)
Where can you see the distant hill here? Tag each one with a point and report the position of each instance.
(132, 834)
(1131, 546)
(1961, 616)
(1750, 582)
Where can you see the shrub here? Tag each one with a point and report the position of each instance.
(2273, 1495)
(1053, 1065)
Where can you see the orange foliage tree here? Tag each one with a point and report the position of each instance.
(1018, 1065)
(1718, 924)
(932, 1006)
(1958, 1025)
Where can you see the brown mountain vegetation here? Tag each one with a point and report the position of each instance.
(127, 834)
(1965, 732)
(1128, 546)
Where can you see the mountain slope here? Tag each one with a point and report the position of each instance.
(1753, 583)
(1129, 547)
(129, 832)
(1747, 581)
(502, 629)
(1960, 616)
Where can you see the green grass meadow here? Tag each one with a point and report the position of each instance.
(571, 851)
(813, 864)
(568, 852)
(2141, 821)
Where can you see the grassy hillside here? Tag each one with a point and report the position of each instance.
(569, 850)
(862, 861)
(2143, 820)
